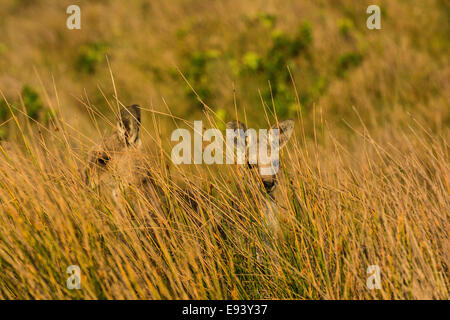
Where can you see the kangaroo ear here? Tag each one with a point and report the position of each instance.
(236, 125)
(285, 128)
(129, 124)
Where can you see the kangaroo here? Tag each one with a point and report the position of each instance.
(118, 159)
(269, 178)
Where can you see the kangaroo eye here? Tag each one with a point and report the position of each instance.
(269, 185)
(102, 161)
(251, 165)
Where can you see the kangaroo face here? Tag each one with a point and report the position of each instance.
(268, 177)
(263, 170)
(118, 154)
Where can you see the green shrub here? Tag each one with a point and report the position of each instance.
(268, 20)
(4, 115)
(49, 115)
(196, 73)
(32, 102)
(220, 118)
(284, 49)
(4, 111)
(345, 26)
(252, 61)
(264, 19)
(90, 56)
(302, 39)
(347, 61)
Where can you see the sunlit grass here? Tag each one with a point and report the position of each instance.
(342, 209)
(364, 180)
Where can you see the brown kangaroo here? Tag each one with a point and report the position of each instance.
(269, 179)
(118, 160)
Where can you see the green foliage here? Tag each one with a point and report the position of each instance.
(347, 61)
(268, 20)
(283, 51)
(196, 73)
(4, 111)
(4, 115)
(220, 118)
(252, 61)
(49, 115)
(264, 19)
(33, 106)
(303, 38)
(345, 26)
(32, 102)
(318, 87)
(269, 64)
(90, 56)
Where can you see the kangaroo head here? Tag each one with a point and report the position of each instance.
(117, 149)
(276, 138)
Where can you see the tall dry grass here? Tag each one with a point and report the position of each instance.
(384, 201)
(365, 179)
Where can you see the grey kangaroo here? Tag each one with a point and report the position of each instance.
(270, 178)
(118, 160)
